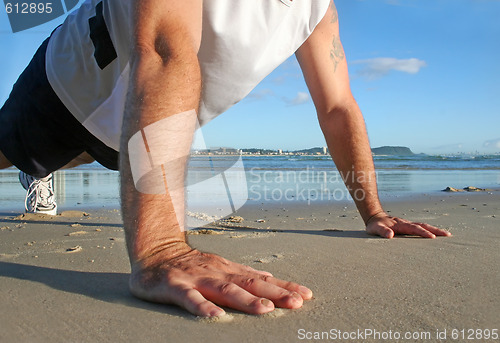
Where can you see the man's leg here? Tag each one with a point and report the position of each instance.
(41, 195)
(4, 162)
(83, 158)
(39, 140)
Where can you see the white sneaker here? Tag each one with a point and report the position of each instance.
(40, 197)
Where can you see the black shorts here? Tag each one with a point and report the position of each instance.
(37, 132)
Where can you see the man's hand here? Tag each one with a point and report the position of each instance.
(386, 226)
(198, 281)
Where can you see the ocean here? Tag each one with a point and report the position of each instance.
(230, 181)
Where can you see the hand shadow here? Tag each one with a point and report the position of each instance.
(108, 287)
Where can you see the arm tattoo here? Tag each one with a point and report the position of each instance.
(335, 15)
(336, 52)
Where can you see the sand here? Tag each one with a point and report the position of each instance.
(64, 278)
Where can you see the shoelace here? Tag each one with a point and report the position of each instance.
(35, 187)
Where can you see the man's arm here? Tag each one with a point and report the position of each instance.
(323, 63)
(165, 80)
(165, 84)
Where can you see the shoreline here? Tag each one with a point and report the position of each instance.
(81, 189)
(384, 198)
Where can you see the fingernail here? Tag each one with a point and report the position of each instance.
(296, 296)
(266, 302)
(304, 290)
(217, 312)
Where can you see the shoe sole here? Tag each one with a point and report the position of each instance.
(48, 212)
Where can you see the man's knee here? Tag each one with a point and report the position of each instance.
(83, 158)
(4, 162)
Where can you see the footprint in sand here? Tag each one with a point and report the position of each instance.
(205, 232)
(77, 233)
(74, 249)
(74, 214)
(226, 318)
(269, 259)
(8, 256)
(42, 217)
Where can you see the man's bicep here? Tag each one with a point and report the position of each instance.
(323, 63)
(166, 27)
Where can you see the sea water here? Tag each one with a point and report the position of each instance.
(279, 178)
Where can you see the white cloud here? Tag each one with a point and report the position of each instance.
(267, 93)
(260, 94)
(492, 144)
(286, 77)
(300, 98)
(375, 68)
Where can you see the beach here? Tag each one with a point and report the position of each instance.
(64, 278)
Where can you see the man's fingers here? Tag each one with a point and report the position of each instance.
(252, 270)
(408, 228)
(386, 232)
(194, 302)
(382, 231)
(280, 296)
(388, 226)
(231, 295)
(244, 269)
(304, 292)
(435, 230)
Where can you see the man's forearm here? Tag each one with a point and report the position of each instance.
(154, 223)
(346, 137)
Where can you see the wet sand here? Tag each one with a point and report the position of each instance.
(64, 278)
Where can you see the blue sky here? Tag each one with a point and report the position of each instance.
(424, 72)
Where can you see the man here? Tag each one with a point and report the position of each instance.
(139, 91)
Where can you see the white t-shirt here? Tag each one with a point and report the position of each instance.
(242, 42)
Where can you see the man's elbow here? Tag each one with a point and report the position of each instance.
(347, 106)
(164, 55)
(176, 50)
